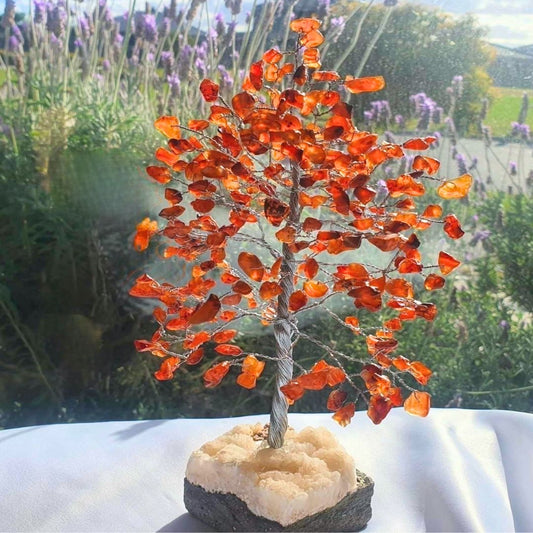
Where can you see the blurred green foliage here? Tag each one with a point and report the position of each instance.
(510, 269)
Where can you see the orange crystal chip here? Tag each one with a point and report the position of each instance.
(447, 263)
(365, 85)
(215, 374)
(457, 188)
(418, 403)
(315, 289)
(336, 399)
(228, 349)
(305, 25)
(169, 126)
(344, 415)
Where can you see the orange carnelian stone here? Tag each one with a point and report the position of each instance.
(344, 415)
(335, 399)
(418, 403)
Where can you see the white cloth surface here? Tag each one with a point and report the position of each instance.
(456, 470)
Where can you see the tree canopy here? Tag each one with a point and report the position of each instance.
(420, 49)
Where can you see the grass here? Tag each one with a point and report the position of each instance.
(504, 109)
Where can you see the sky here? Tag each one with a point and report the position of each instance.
(510, 22)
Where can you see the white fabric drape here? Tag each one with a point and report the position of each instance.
(457, 470)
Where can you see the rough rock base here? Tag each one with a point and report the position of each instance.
(226, 512)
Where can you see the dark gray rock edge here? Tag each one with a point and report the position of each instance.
(226, 512)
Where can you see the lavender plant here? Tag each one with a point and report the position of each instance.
(94, 79)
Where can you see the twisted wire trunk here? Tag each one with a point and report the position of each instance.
(283, 329)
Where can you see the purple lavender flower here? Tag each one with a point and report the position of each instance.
(226, 80)
(201, 50)
(461, 163)
(171, 10)
(504, 325)
(212, 34)
(15, 30)
(85, 27)
(400, 121)
(234, 6)
(405, 164)
(231, 27)
(228, 36)
(389, 137)
(337, 25)
(457, 86)
(138, 25)
(106, 65)
(520, 130)
(174, 84)
(513, 168)
(436, 116)
(39, 11)
(382, 191)
(8, 18)
(167, 61)
(480, 236)
(452, 132)
(425, 109)
(78, 43)
(56, 43)
(454, 151)
(164, 28)
(379, 113)
(150, 57)
(201, 67)
(389, 171)
(56, 17)
(13, 44)
(184, 59)
(106, 16)
(220, 25)
(149, 28)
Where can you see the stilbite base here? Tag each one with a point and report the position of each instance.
(226, 512)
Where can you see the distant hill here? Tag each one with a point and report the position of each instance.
(527, 49)
(513, 67)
